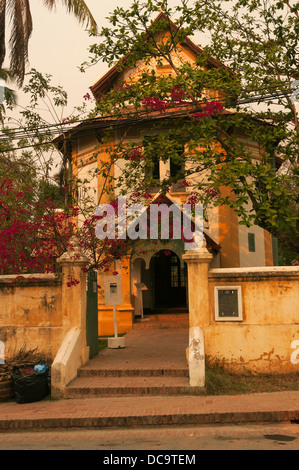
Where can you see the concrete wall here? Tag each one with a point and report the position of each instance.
(31, 313)
(263, 341)
(43, 311)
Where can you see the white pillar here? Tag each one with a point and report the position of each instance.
(198, 291)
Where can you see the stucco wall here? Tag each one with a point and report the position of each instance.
(31, 313)
(262, 341)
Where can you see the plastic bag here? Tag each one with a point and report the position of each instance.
(40, 368)
(30, 388)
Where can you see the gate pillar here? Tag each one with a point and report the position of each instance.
(198, 291)
(74, 292)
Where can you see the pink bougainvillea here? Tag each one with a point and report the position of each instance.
(136, 154)
(87, 97)
(177, 94)
(211, 192)
(72, 281)
(210, 109)
(154, 103)
(68, 120)
(32, 233)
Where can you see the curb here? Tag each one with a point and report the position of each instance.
(85, 422)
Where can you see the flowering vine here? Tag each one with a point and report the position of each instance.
(210, 109)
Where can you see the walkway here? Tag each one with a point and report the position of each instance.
(147, 411)
(148, 352)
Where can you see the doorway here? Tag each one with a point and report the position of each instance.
(170, 280)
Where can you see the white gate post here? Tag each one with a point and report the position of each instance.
(198, 291)
(74, 296)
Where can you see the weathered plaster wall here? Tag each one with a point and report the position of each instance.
(270, 304)
(31, 313)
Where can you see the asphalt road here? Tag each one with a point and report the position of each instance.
(174, 438)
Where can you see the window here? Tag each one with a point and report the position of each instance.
(174, 276)
(176, 160)
(184, 276)
(251, 242)
(151, 148)
(174, 272)
(172, 148)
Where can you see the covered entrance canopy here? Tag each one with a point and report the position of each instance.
(160, 266)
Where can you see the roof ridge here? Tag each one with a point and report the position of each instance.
(104, 83)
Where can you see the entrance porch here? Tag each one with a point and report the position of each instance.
(164, 275)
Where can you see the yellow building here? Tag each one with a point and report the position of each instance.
(161, 267)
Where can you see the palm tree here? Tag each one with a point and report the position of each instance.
(19, 14)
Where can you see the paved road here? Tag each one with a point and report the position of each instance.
(174, 438)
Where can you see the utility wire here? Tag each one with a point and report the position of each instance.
(23, 131)
(63, 123)
(97, 124)
(101, 122)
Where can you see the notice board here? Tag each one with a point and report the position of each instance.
(228, 303)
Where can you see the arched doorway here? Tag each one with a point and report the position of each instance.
(170, 280)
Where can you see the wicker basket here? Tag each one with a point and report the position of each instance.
(6, 389)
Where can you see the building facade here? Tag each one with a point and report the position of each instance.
(159, 265)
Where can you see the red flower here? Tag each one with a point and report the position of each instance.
(154, 103)
(211, 108)
(87, 97)
(136, 154)
(177, 94)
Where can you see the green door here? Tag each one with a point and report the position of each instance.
(92, 313)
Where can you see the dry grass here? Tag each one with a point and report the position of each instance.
(222, 382)
(24, 357)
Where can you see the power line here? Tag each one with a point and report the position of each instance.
(92, 122)
(124, 123)
(78, 121)
(112, 116)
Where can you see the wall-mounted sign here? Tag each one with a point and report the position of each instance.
(113, 297)
(228, 303)
(113, 290)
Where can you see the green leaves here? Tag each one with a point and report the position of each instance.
(252, 147)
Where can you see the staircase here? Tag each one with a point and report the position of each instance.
(115, 383)
(152, 363)
(169, 319)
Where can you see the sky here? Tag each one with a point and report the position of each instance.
(59, 45)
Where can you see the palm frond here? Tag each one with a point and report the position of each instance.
(2, 31)
(80, 10)
(17, 13)
(6, 75)
(21, 22)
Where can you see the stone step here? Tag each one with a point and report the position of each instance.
(92, 371)
(87, 387)
(160, 321)
(160, 326)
